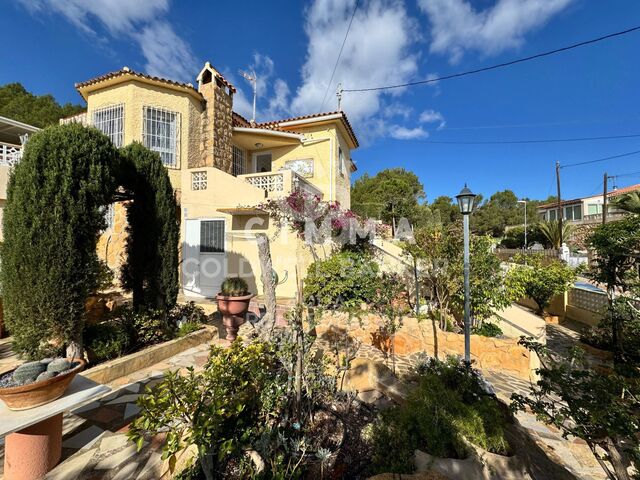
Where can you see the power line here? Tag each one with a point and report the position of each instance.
(630, 174)
(339, 54)
(499, 65)
(512, 142)
(601, 159)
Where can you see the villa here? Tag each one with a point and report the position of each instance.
(586, 210)
(222, 166)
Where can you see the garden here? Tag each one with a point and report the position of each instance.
(303, 400)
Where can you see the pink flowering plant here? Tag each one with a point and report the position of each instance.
(316, 221)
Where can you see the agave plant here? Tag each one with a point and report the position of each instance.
(551, 230)
(629, 202)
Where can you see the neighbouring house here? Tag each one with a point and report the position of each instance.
(586, 210)
(222, 167)
(13, 135)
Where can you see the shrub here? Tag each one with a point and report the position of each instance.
(488, 329)
(343, 281)
(539, 281)
(234, 287)
(447, 406)
(107, 340)
(187, 328)
(514, 237)
(602, 335)
(51, 221)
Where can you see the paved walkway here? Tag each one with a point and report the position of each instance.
(95, 445)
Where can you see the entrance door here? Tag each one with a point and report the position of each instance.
(262, 162)
(204, 265)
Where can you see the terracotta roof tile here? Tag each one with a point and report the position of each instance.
(347, 124)
(612, 193)
(127, 71)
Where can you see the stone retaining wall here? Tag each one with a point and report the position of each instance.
(119, 367)
(423, 336)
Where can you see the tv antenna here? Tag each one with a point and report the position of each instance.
(253, 80)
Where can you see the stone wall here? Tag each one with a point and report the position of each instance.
(423, 336)
(216, 129)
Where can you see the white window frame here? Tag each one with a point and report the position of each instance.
(199, 180)
(167, 145)
(111, 123)
(238, 164)
(254, 161)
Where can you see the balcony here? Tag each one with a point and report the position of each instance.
(281, 183)
(10, 154)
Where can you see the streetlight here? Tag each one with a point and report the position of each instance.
(465, 202)
(525, 222)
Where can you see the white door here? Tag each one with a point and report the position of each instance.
(204, 264)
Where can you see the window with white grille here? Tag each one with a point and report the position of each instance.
(238, 161)
(110, 121)
(160, 134)
(212, 236)
(199, 181)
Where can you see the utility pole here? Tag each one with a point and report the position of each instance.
(605, 194)
(253, 80)
(339, 95)
(560, 214)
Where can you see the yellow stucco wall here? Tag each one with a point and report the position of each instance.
(135, 96)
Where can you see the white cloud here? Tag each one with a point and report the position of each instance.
(403, 133)
(165, 52)
(431, 116)
(457, 27)
(377, 52)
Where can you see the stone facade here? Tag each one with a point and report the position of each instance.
(502, 354)
(216, 128)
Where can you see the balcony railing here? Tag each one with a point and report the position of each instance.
(281, 183)
(10, 154)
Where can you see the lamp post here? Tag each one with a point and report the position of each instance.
(525, 222)
(465, 202)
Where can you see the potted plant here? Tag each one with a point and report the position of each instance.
(233, 304)
(35, 383)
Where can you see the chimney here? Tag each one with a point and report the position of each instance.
(216, 121)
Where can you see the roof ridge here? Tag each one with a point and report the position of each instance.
(128, 71)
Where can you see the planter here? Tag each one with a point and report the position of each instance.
(233, 310)
(35, 394)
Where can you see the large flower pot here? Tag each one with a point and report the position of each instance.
(38, 393)
(233, 311)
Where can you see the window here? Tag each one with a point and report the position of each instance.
(238, 161)
(573, 212)
(341, 168)
(110, 121)
(263, 162)
(160, 134)
(304, 168)
(212, 236)
(594, 209)
(553, 215)
(199, 181)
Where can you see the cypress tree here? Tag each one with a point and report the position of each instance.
(52, 220)
(151, 269)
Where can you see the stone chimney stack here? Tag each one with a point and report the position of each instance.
(216, 121)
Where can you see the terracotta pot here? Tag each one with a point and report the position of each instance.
(233, 310)
(39, 393)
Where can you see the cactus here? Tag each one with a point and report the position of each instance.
(27, 372)
(46, 361)
(234, 287)
(45, 376)
(59, 365)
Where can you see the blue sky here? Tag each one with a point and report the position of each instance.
(594, 91)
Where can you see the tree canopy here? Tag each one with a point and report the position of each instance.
(17, 103)
(391, 194)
